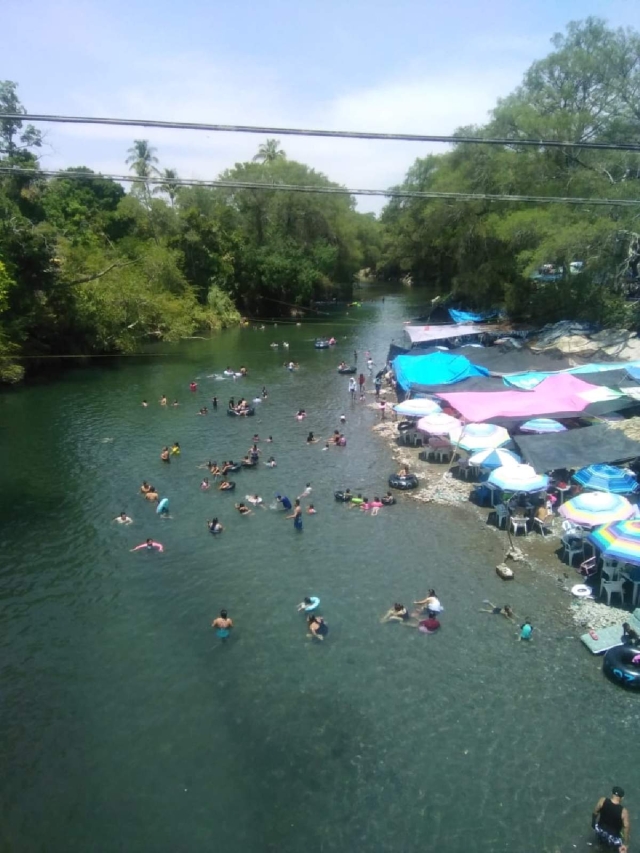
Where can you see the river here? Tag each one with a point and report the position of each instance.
(128, 726)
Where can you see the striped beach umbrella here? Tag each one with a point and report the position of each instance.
(437, 424)
(494, 457)
(518, 478)
(592, 509)
(417, 408)
(606, 478)
(478, 436)
(618, 541)
(543, 425)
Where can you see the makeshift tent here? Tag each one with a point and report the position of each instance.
(576, 447)
(431, 333)
(561, 395)
(438, 368)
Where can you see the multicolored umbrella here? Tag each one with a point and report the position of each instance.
(606, 478)
(417, 408)
(591, 509)
(618, 541)
(543, 425)
(437, 424)
(478, 436)
(494, 457)
(518, 478)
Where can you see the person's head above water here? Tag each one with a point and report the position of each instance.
(223, 613)
(617, 791)
(307, 600)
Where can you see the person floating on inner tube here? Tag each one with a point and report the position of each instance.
(214, 526)
(225, 486)
(403, 472)
(610, 820)
(308, 604)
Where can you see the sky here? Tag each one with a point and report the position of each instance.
(403, 66)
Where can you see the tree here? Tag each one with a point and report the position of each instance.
(143, 161)
(13, 138)
(169, 185)
(269, 152)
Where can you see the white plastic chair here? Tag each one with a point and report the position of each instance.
(518, 523)
(613, 587)
(544, 525)
(501, 515)
(572, 543)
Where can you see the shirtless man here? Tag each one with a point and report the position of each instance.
(223, 625)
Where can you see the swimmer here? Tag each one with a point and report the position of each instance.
(307, 491)
(429, 625)
(165, 455)
(270, 439)
(398, 613)
(214, 402)
(152, 495)
(123, 518)
(343, 419)
(149, 545)
(304, 604)
(163, 400)
(223, 625)
(403, 472)
(342, 441)
(311, 439)
(271, 462)
(243, 509)
(264, 393)
(145, 487)
(326, 446)
(175, 449)
(375, 505)
(193, 386)
(301, 414)
(318, 628)
(214, 526)
(284, 501)
(526, 630)
(505, 611)
(431, 603)
(205, 484)
(175, 403)
(144, 404)
(256, 438)
(255, 500)
(311, 510)
(225, 486)
(213, 469)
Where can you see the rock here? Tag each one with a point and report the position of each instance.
(587, 613)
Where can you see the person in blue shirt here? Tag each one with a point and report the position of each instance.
(526, 630)
(284, 501)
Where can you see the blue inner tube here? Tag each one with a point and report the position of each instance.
(340, 496)
(163, 506)
(345, 370)
(617, 667)
(248, 414)
(404, 483)
(388, 500)
(315, 602)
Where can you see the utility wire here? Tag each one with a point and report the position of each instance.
(336, 134)
(326, 190)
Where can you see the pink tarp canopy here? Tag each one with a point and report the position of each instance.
(560, 393)
(424, 334)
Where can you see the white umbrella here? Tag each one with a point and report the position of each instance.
(417, 408)
(437, 424)
(518, 478)
(494, 457)
(479, 436)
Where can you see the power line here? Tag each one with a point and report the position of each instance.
(336, 134)
(325, 190)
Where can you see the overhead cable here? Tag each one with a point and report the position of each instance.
(335, 134)
(324, 190)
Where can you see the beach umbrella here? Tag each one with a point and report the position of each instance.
(494, 457)
(592, 509)
(618, 541)
(543, 425)
(518, 478)
(606, 478)
(437, 423)
(417, 408)
(478, 436)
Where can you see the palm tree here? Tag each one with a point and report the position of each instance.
(269, 151)
(169, 184)
(142, 160)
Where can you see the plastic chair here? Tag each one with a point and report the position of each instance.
(518, 523)
(544, 525)
(610, 568)
(611, 588)
(572, 543)
(588, 568)
(502, 515)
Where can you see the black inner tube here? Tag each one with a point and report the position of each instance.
(340, 496)
(617, 667)
(408, 482)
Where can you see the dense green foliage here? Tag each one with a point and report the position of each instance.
(86, 268)
(586, 90)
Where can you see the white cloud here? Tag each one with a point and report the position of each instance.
(192, 88)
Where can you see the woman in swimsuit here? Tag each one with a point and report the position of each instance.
(243, 509)
(215, 526)
(145, 487)
(317, 627)
(225, 486)
(505, 611)
(205, 484)
(398, 613)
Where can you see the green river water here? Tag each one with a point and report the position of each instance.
(127, 726)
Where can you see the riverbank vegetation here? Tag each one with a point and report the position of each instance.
(87, 268)
(490, 252)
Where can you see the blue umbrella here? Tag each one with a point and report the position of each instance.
(606, 478)
(543, 425)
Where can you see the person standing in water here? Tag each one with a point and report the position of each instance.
(123, 518)
(610, 820)
(223, 625)
(361, 381)
(297, 515)
(352, 388)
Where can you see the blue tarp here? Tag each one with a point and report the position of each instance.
(528, 381)
(634, 372)
(470, 316)
(438, 368)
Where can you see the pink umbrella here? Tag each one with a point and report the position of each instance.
(437, 424)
